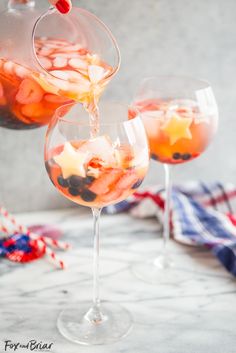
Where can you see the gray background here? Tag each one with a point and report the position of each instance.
(193, 37)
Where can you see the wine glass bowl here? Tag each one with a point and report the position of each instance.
(180, 117)
(96, 171)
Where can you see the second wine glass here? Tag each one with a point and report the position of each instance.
(180, 116)
(96, 172)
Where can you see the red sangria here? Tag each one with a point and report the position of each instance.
(93, 173)
(178, 131)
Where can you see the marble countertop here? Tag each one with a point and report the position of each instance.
(194, 315)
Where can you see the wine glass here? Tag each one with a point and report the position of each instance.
(180, 116)
(96, 172)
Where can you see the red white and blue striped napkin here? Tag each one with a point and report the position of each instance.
(202, 214)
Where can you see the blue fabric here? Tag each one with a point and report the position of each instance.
(16, 242)
(200, 216)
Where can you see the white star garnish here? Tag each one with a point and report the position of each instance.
(71, 161)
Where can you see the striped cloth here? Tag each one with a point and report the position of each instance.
(202, 214)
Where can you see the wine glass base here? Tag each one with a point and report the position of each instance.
(163, 262)
(73, 324)
(160, 270)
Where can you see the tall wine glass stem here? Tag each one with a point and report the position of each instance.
(166, 223)
(94, 314)
(164, 261)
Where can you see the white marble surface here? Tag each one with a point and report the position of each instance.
(196, 315)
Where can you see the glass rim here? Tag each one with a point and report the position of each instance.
(87, 124)
(176, 76)
(52, 10)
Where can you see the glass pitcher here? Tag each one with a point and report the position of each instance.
(48, 59)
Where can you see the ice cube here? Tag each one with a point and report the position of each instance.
(58, 84)
(75, 76)
(77, 63)
(60, 62)
(45, 51)
(21, 71)
(187, 104)
(72, 48)
(63, 75)
(66, 55)
(96, 73)
(93, 59)
(100, 147)
(155, 114)
(9, 67)
(46, 85)
(46, 63)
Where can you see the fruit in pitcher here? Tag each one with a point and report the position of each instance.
(29, 92)
(71, 74)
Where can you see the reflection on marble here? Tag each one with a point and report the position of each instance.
(196, 315)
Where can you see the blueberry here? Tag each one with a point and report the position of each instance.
(74, 191)
(62, 182)
(88, 180)
(137, 184)
(76, 181)
(154, 156)
(176, 155)
(88, 196)
(186, 156)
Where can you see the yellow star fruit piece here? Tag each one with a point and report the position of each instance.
(71, 161)
(177, 128)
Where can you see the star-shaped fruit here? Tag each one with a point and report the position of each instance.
(177, 128)
(71, 161)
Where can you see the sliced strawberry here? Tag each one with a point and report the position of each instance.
(37, 113)
(83, 51)
(95, 163)
(127, 181)
(16, 110)
(32, 110)
(29, 92)
(111, 196)
(101, 185)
